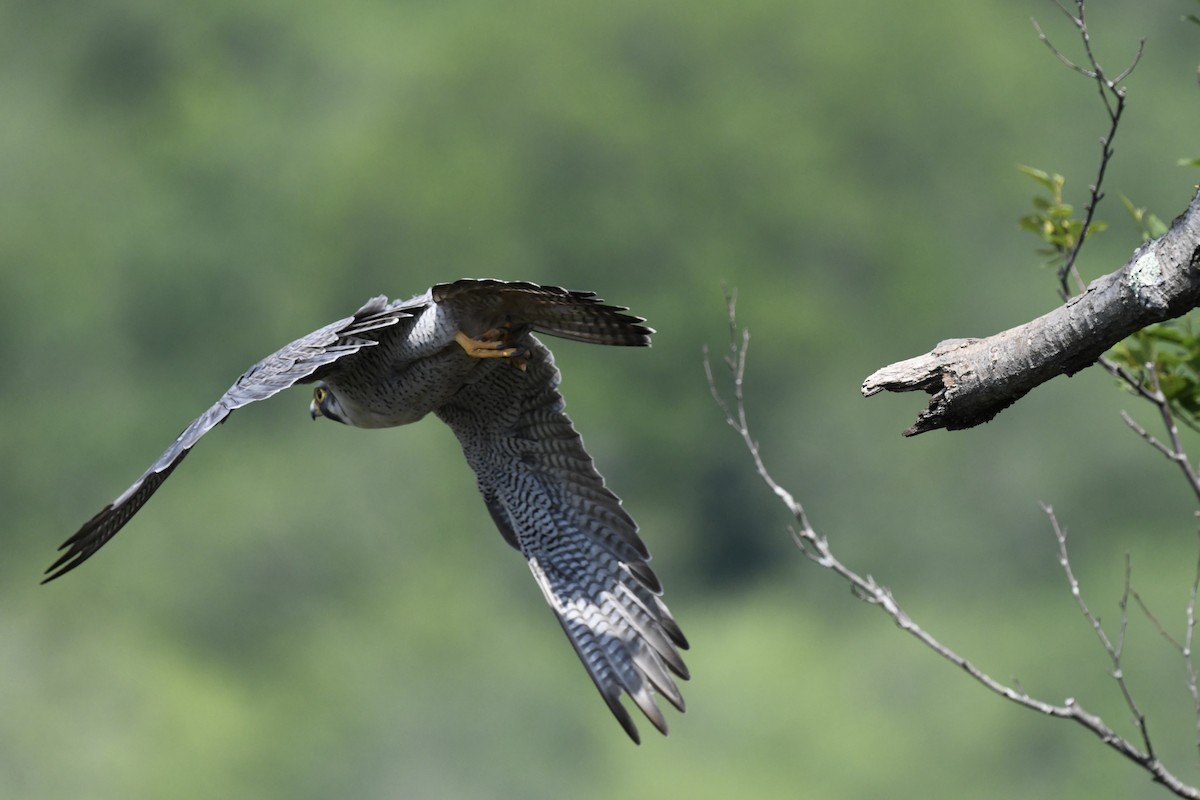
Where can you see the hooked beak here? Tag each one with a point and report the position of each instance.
(314, 410)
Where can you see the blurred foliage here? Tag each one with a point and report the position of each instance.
(1148, 223)
(310, 611)
(1172, 351)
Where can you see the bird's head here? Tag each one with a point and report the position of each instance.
(325, 404)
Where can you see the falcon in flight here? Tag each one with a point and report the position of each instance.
(466, 352)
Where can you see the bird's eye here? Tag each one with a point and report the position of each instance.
(319, 394)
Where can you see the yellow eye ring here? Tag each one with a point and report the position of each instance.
(319, 394)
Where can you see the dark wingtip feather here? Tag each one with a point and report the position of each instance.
(79, 547)
(94, 533)
(672, 629)
(623, 717)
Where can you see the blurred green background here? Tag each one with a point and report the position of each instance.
(310, 611)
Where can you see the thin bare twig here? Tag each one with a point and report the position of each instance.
(1112, 94)
(1147, 436)
(1158, 626)
(1113, 650)
(736, 362)
(817, 549)
(1174, 452)
(1173, 449)
(1125, 376)
(1184, 648)
(1188, 651)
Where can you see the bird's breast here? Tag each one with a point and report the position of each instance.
(384, 391)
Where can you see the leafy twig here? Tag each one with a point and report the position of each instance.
(1112, 94)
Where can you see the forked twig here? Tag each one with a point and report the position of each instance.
(1173, 447)
(736, 417)
(1112, 94)
(1114, 651)
(1174, 451)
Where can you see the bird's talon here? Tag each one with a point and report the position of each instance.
(498, 335)
(491, 344)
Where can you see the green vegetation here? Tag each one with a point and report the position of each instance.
(307, 611)
(1053, 219)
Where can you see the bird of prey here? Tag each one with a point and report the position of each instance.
(465, 351)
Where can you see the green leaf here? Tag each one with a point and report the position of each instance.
(1032, 223)
(1151, 226)
(1041, 177)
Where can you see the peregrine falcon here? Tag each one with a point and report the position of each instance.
(465, 351)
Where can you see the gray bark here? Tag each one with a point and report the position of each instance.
(972, 380)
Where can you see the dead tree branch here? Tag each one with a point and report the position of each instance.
(972, 380)
(817, 549)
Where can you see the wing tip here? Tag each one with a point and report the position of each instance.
(69, 561)
(623, 717)
(79, 546)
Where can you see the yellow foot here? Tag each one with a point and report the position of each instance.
(492, 344)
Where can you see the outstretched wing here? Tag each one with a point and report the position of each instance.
(547, 309)
(549, 502)
(297, 362)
